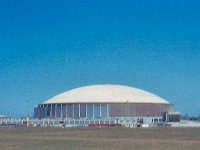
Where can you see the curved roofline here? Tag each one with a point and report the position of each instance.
(106, 93)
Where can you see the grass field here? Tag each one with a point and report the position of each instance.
(99, 138)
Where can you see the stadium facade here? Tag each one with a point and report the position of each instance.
(105, 102)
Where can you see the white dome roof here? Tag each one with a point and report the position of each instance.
(106, 94)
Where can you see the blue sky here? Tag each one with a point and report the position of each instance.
(48, 47)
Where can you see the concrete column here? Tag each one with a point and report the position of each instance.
(167, 117)
(73, 110)
(100, 111)
(61, 115)
(55, 110)
(51, 112)
(46, 110)
(107, 110)
(86, 111)
(93, 110)
(66, 110)
(79, 113)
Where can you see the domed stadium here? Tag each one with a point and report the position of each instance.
(103, 102)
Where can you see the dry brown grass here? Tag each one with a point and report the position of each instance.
(99, 138)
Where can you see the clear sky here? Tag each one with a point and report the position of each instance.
(48, 47)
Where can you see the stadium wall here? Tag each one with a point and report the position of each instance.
(101, 110)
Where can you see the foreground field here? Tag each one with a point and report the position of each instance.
(100, 139)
